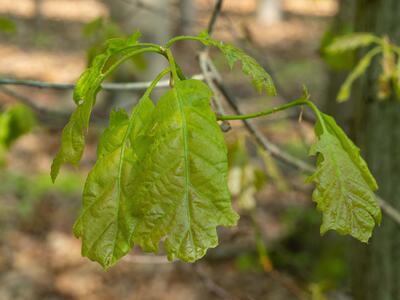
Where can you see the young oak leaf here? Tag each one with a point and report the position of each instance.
(181, 191)
(360, 68)
(87, 87)
(250, 67)
(350, 42)
(106, 223)
(345, 187)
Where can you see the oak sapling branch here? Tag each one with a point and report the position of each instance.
(152, 181)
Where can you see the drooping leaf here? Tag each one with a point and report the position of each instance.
(260, 78)
(361, 67)
(106, 221)
(351, 42)
(87, 87)
(181, 190)
(345, 187)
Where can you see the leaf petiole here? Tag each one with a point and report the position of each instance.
(155, 81)
(172, 64)
(129, 55)
(182, 38)
(301, 101)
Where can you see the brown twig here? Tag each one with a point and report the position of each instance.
(130, 86)
(215, 14)
(283, 156)
(211, 285)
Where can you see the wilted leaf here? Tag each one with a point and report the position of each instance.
(260, 78)
(345, 188)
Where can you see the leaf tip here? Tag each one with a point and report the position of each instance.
(271, 90)
(55, 169)
(344, 93)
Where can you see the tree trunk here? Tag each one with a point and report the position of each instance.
(376, 266)
(38, 15)
(151, 18)
(343, 23)
(187, 9)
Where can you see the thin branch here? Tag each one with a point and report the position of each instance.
(211, 285)
(261, 139)
(25, 100)
(389, 210)
(285, 157)
(208, 78)
(215, 14)
(131, 86)
(52, 118)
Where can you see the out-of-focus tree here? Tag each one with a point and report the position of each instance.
(377, 266)
(339, 65)
(269, 11)
(38, 14)
(151, 17)
(187, 16)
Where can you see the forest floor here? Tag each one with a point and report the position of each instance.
(40, 258)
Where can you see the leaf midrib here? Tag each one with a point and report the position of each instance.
(119, 174)
(343, 186)
(186, 162)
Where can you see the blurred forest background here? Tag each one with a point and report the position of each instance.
(275, 252)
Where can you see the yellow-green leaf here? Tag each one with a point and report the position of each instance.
(361, 67)
(87, 87)
(106, 221)
(351, 42)
(345, 187)
(260, 78)
(181, 192)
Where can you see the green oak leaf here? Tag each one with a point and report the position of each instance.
(106, 221)
(181, 193)
(260, 78)
(87, 87)
(350, 42)
(359, 70)
(345, 187)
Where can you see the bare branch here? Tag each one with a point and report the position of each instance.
(133, 86)
(283, 156)
(215, 14)
(211, 285)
